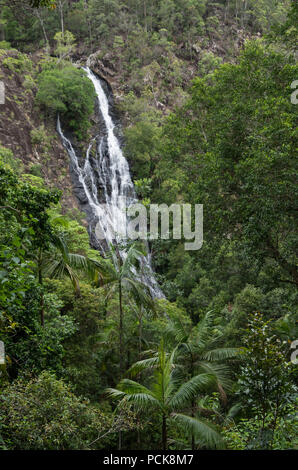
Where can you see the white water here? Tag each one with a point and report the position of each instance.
(104, 180)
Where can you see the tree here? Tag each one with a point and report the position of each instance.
(119, 273)
(58, 263)
(61, 5)
(69, 92)
(43, 413)
(198, 349)
(236, 138)
(24, 209)
(43, 3)
(167, 395)
(286, 33)
(265, 384)
(65, 45)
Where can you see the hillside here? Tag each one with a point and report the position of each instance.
(183, 339)
(32, 140)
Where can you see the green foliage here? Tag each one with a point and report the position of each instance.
(222, 148)
(40, 137)
(227, 142)
(17, 62)
(121, 276)
(141, 145)
(4, 45)
(85, 364)
(7, 158)
(265, 384)
(65, 44)
(240, 435)
(41, 3)
(167, 395)
(70, 93)
(43, 413)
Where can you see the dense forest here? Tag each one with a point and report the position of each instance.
(204, 98)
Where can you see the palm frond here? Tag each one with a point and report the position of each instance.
(114, 393)
(202, 331)
(140, 292)
(202, 430)
(190, 389)
(60, 244)
(131, 387)
(132, 258)
(106, 269)
(144, 364)
(176, 330)
(233, 411)
(134, 393)
(142, 401)
(69, 272)
(220, 371)
(220, 354)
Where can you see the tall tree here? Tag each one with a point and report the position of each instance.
(120, 274)
(199, 348)
(167, 395)
(233, 147)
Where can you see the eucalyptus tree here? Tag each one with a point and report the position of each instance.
(168, 395)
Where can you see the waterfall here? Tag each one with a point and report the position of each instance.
(102, 180)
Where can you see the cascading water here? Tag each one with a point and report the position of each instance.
(102, 181)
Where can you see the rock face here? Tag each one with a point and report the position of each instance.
(19, 119)
(100, 66)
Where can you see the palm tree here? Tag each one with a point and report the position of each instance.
(199, 350)
(139, 311)
(58, 263)
(120, 273)
(167, 395)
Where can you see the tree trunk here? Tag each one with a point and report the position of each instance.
(145, 14)
(140, 335)
(192, 434)
(42, 310)
(43, 30)
(120, 329)
(42, 294)
(105, 309)
(88, 21)
(227, 9)
(139, 438)
(164, 432)
(119, 440)
(193, 402)
(60, 6)
(2, 32)
(283, 263)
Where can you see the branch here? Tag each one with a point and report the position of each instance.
(11, 209)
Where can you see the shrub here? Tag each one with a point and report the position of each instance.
(69, 92)
(43, 413)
